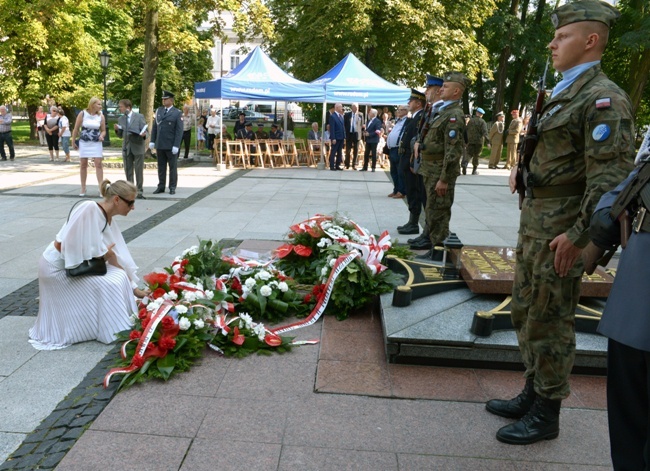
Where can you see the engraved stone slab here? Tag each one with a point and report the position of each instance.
(490, 270)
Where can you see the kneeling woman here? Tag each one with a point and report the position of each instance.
(81, 308)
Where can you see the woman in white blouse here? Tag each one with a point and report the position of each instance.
(81, 308)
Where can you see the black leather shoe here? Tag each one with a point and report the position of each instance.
(433, 254)
(141, 197)
(418, 239)
(409, 229)
(157, 191)
(517, 407)
(542, 422)
(172, 192)
(421, 244)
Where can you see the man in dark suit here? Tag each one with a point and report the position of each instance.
(166, 138)
(372, 133)
(275, 132)
(337, 136)
(353, 121)
(414, 188)
(132, 128)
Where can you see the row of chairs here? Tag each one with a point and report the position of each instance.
(267, 153)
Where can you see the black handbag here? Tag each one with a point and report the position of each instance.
(96, 266)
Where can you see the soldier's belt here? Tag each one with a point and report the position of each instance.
(432, 157)
(556, 191)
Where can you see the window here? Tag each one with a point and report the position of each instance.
(234, 59)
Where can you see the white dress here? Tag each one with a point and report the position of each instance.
(77, 309)
(90, 149)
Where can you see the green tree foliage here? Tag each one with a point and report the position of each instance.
(400, 40)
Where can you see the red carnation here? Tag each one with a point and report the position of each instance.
(174, 279)
(307, 299)
(144, 323)
(236, 284)
(168, 322)
(166, 343)
(317, 290)
(274, 340)
(156, 278)
(142, 313)
(159, 292)
(135, 334)
(150, 346)
(184, 262)
(137, 361)
(238, 339)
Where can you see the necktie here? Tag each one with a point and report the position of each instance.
(165, 113)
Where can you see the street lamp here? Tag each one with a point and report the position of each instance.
(104, 59)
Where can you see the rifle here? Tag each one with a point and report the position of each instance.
(530, 141)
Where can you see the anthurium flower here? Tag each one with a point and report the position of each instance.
(302, 250)
(284, 250)
(273, 340)
(156, 278)
(238, 339)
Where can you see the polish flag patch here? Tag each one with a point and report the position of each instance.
(452, 120)
(603, 103)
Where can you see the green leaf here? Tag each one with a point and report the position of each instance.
(166, 365)
(180, 342)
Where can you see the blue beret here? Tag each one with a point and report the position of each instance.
(480, 110)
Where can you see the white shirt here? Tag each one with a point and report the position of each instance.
(64, 122)
(393, 137)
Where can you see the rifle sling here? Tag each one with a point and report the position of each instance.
(556, 191)
(631, 192)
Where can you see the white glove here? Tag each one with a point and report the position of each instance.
(152, 145)
(174, 150)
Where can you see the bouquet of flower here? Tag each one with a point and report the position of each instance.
(239, 336)
(264, 293)
(315, 245)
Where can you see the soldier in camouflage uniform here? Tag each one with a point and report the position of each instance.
(585, 148)
(477, 133)
(441, 151)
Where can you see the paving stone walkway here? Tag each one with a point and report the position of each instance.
(314, 408)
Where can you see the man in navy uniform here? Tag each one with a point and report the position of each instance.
(166, 138)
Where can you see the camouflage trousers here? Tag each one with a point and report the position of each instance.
(473, 153)
(543, 314)
(437, 210)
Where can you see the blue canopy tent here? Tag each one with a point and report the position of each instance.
(259, 78)
(351, 81)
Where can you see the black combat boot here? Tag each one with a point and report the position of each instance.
(411, 227)
(421, 244)
(474, 172)
(433, 254)
(423, 236)
(514, 408)
(542, 422)
(464, 169)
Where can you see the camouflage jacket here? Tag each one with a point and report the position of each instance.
(477, 131)
(444, 142)
(586, 137)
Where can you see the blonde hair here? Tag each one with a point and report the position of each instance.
(120, 188)
(91, 102)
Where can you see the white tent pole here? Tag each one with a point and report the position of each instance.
(321, 164)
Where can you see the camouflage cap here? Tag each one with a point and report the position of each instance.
(584, 10)
(457, 77)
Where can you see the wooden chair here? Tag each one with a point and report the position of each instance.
(254, 152)
(235, 153)
(275, 152)
(314, 147)
(290, 152)
(216, 155)
(304, 155)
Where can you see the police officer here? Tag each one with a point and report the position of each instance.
(584, 149)
(166, 138)
(477, 133)
(440, 152)
(625, 320)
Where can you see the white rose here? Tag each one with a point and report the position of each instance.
(263, 275)
(184, 323)
(209, 294)
(181, 309)
(283, 286)
(250, 282)
(199, 324)
(266, 290)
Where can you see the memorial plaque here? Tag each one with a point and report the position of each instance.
(491, 270)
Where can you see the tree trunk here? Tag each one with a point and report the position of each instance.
(502, 69)
(639, 70)
(31, 113)
(150, 65)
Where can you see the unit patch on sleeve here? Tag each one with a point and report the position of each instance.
(601, 133)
